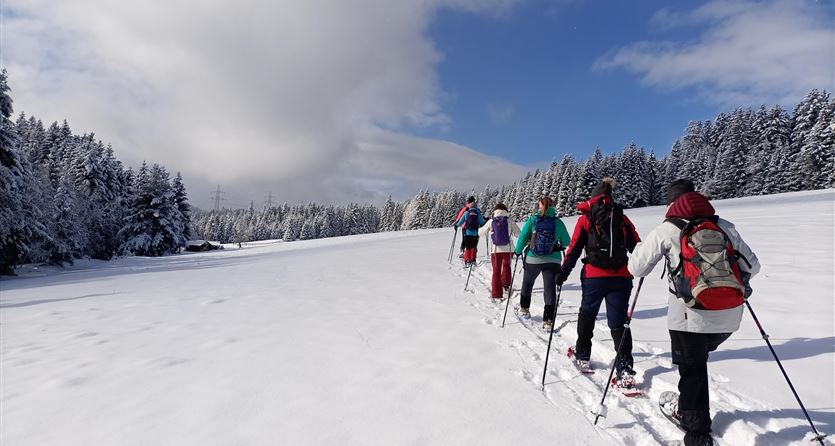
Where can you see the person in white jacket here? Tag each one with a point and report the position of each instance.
(500, 230)
(694, 333)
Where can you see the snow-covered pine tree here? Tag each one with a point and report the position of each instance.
(181, 202)
(633, 180)
(150, 228)
(387, 219)
(733, 154)
(759, 155)
(804, 119)
(417, 212)
(13, 234)
(695, 154)
(655, 174)
(816, 155)
(67, 228)
(308, 230)
(565, 200)
(589, 175)
(775, 142)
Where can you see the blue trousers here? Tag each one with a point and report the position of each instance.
(615, 291)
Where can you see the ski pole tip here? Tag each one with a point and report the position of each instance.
(600, 410)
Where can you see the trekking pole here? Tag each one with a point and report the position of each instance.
(510, 291)
(551, 336)
(818, 436)
(468, 276)
(600, 411)
(451, 248)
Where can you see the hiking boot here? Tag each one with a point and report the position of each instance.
(547, 325)
(525, 313)
(626, 377)
(694, 439)
(583, 365)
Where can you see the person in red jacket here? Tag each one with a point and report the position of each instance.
(458, 218)
(606, 235)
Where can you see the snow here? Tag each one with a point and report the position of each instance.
(371, 339)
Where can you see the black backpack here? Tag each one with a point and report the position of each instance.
(606, 245)
(471, 223)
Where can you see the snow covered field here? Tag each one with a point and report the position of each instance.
(372, 340)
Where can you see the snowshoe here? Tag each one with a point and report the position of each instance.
(668, 403)
(625, 378)
(583, 365)
(525, 313)
(624, 381)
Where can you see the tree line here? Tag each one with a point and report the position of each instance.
(65, 196)
(741, 153)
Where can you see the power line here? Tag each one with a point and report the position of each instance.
(270, 201)
(218, 197)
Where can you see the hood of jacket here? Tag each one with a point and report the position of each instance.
(500, 213)
(585, 206)
(689, 206)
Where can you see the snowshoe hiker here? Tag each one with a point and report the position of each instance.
(461, 213)
(500, 230)
(606, 235)
(543, 239)
(701, 314)
(470, 222)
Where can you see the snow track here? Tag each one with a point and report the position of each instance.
(739, 419)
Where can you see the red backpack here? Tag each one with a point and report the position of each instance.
(708, 275)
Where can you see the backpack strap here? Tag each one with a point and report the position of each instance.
(681, 224)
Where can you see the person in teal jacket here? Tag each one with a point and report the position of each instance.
(543, 239)
(470, 222)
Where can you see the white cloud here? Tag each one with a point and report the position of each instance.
(749, 52)
(255, 95)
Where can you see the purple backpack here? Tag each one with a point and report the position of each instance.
(501, 234)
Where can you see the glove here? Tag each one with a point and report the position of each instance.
(746, 281)
(561, 278)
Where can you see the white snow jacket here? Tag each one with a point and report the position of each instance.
(487, 230)
(664, 241)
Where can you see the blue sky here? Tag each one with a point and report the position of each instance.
(522, 86)
(356, 100)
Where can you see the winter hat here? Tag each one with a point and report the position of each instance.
(604, 187)
(678, 188)
(471, 199)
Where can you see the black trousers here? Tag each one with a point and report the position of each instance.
(690, 352)
(469, 242)
(549, 273)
